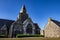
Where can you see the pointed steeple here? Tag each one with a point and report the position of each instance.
(22, 16)
(23, 9)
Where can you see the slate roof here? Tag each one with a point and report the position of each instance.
(6, 22)
(36, 26)
(56, 22)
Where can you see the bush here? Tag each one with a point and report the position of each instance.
(2, 36)
(30, 35)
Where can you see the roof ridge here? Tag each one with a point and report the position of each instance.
(7, 19)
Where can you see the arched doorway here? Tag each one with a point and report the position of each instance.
(29, 29)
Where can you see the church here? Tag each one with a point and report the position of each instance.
(22, 25)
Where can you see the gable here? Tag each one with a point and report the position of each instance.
(51, 24)
(27, 20)
(7, 22)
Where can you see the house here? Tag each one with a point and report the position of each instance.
(52, 28)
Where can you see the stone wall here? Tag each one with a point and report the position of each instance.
(52, 30)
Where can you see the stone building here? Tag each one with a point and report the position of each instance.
(22, 25)
(52, 28)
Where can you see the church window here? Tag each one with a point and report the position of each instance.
(29, 29)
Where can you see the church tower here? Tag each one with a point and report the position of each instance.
(22, 14)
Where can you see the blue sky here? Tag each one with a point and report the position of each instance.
(38, 10)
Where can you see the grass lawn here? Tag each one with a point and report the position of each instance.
(30, 38)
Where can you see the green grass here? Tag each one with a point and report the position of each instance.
(30, 38)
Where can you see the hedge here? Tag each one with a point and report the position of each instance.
(30, 35)
(2, 36)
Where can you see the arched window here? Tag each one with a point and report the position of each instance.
(29, 29)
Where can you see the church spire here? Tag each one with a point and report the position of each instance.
(22, 16)
(23, 9)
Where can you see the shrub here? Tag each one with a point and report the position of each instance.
(28, 35)
(3, 36)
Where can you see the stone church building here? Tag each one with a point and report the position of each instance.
(52, 28)
(22, 25)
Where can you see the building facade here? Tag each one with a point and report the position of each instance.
(52, 28)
